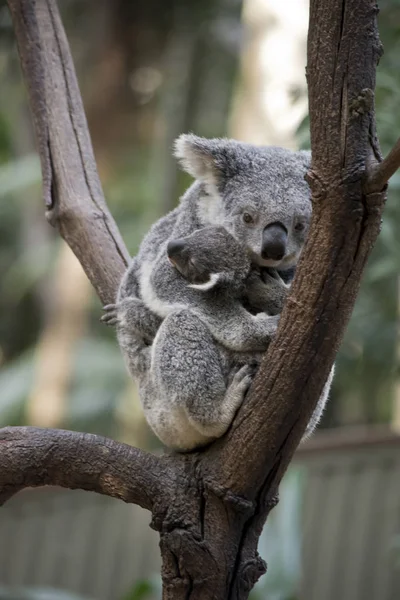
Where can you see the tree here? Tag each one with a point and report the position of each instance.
(209, 507)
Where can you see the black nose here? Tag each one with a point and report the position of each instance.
(274, 242)
(175, 247)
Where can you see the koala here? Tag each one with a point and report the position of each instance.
(259, 195)
(190, 384)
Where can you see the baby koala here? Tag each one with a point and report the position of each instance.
(211, 260)
(190, 382)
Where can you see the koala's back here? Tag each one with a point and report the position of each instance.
(148, 252)
(179, 222)
(160, 231)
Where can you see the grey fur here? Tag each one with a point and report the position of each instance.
(190, 385)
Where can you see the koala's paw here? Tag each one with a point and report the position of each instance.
(242, 379)
(271, 277)
(236, 391)
(110, 317)
(269, 322)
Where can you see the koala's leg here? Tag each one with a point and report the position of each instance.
(215, 423)
(319, 409)
(191, 369)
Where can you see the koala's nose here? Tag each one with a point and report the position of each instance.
(274, 242)
(175, 248)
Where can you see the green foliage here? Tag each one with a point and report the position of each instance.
(18, 174)
(396, 550)
(15, 382)
(149, 589)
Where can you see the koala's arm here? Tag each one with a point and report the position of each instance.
(129, 285)
(136, 328)
(265, 293)
(136, 324)
(236, 329)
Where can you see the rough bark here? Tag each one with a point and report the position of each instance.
(210, 507)
(33, 457)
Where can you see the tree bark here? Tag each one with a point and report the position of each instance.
(71, 188)
(32, 457)
(210, 506)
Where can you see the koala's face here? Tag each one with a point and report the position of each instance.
(268, 215)
(257, 193)
(209, 256)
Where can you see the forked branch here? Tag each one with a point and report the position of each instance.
(32, 457)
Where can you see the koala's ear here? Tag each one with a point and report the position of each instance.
(208, 285)
(202, 158)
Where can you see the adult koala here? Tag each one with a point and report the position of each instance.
(259, 195)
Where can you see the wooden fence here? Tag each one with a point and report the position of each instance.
(351, 516)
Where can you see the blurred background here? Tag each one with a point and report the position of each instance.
(150, 70)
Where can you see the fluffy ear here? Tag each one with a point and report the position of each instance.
(208, 285)
(203, 158)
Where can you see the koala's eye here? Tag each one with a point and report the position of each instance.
(299, 227)
(247, 218)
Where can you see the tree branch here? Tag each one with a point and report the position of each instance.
(71, 186)
(32, 457)
(380, 173)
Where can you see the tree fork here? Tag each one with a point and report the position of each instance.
(210, 506)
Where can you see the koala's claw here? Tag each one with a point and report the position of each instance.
(271, 277)
(109, 307)
(269, 274)
(243, 378)
(111, 316)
